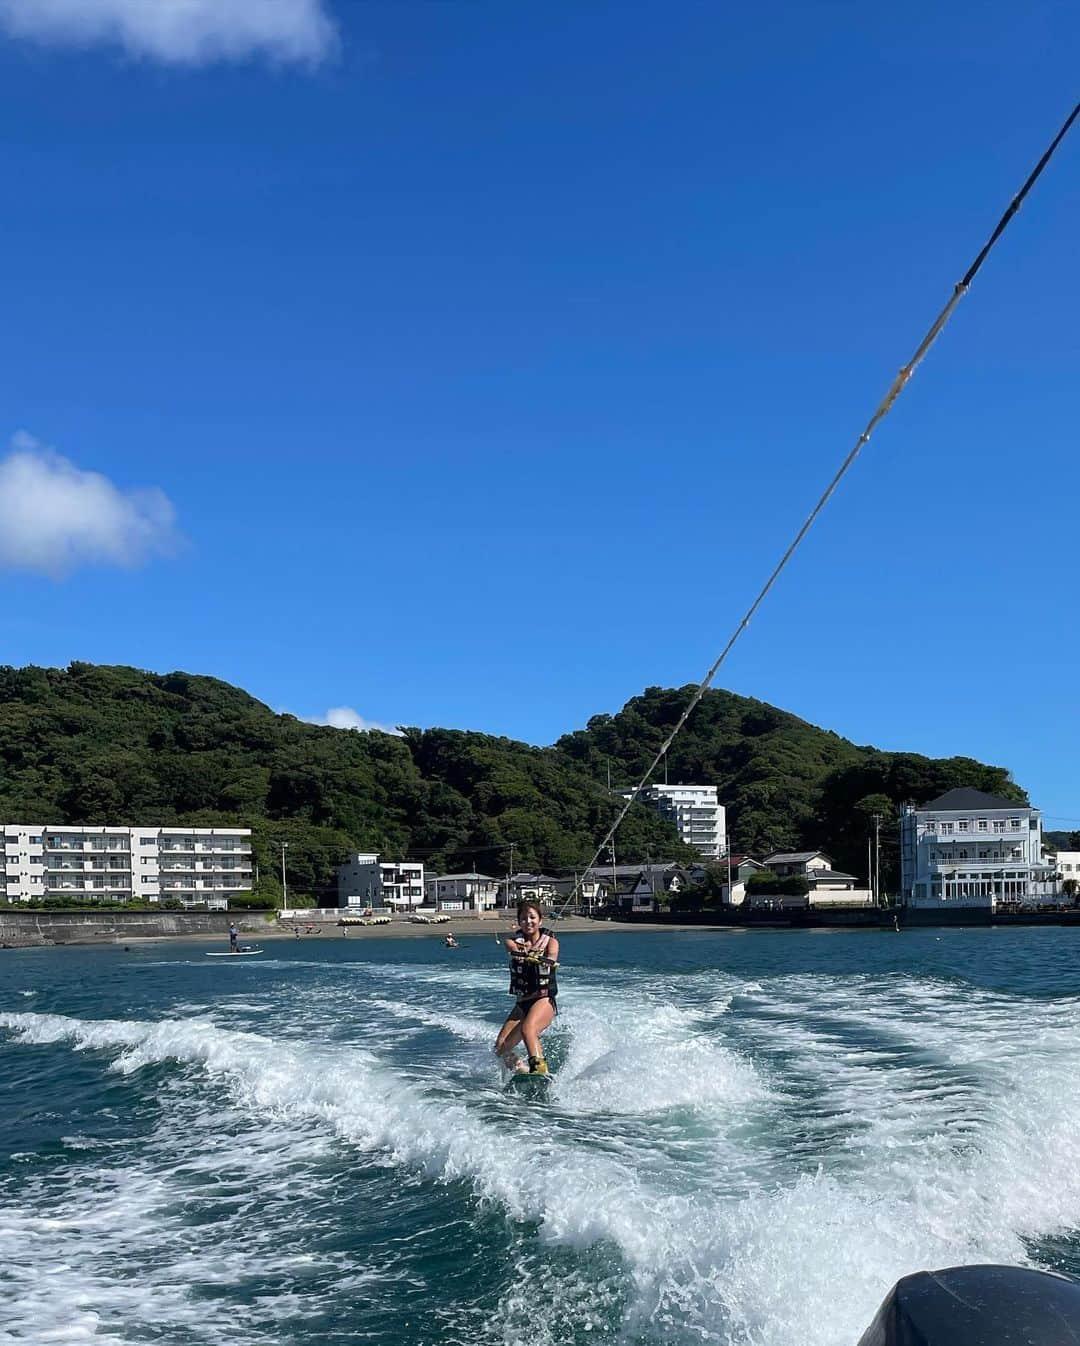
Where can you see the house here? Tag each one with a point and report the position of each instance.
(827, 886)
(542, 888)
(741, 868)
(784, 864)
(586, 892)
(637, 887)
(463, 892)
(365, 881)
(971, 849)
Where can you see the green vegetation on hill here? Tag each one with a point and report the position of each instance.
(788, 785)
(99, 744)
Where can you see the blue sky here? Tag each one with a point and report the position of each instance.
(471, 364)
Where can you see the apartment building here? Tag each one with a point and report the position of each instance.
(971, 849)
(366, 881)
(198, 866)
(699, 817)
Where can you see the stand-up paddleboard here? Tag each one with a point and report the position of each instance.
(240, 953)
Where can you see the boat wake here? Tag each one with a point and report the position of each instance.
(715, 1162)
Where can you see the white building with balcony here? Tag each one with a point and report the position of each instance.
(970, 849)
(197, 866)
(699, 817)
(366, 881)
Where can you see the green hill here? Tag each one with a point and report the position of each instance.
(102, 744)
(788, 785)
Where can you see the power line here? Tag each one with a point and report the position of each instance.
(883, 408)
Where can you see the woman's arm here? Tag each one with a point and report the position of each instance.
(552, 950)
(510, 944)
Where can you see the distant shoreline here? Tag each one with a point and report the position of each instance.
(469, 929)
(253, 933)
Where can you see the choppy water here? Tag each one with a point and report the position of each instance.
(750, 1137)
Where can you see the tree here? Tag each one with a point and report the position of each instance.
(766, 882)
(110, 744)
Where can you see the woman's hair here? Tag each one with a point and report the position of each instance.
(524, 905)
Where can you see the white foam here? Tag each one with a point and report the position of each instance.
(774, 1159)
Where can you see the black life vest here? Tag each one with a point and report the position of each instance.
(532, 973)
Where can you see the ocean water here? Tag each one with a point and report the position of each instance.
(750, 1137)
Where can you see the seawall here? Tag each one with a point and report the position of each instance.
(25, 929)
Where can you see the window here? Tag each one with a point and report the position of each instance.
(931, 827)
(1014, 822)
(35, 841)
(963, 825)
(946, 829)
(148, 841)
(982, 825)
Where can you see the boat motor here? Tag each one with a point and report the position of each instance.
(979, 1306)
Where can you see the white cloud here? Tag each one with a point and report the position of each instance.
(180, 32)
(55, 516)
(344, 717)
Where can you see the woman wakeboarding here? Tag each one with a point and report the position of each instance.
(534, 957)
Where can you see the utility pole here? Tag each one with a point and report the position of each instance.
(284, 884)
(877, 857)
(510, 872)
(728, 838)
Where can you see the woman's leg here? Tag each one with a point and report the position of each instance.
(508, 1039)
(538, 1017)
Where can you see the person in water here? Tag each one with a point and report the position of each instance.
(234, 938)
(534, 956)
(451, 942)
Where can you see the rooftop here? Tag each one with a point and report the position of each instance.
(793, 857)
(964, 798)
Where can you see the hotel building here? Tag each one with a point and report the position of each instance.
(970, 849)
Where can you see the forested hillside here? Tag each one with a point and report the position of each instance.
(102, 744)
(788, 784)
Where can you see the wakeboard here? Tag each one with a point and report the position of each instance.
(529, 1085)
